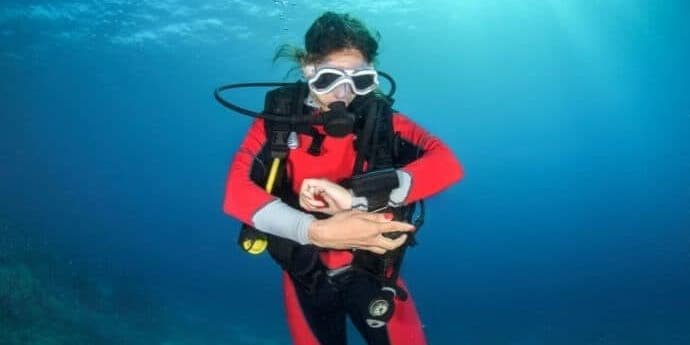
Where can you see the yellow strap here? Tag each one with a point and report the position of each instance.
(259, 243)
(272, 175)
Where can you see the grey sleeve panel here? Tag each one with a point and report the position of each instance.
(398, 195)
(359, 202)
(277, 218)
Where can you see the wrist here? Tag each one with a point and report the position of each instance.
(314, 232)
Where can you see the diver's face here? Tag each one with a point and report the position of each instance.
(345, 59)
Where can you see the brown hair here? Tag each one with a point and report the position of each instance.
(329, 33)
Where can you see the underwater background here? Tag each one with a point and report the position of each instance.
(571, 119)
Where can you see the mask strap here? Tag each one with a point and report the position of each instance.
(308, 71)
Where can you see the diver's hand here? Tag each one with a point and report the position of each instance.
(321, 195)
(355, 229)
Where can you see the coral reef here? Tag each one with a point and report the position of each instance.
(46, 299)
(41, 304)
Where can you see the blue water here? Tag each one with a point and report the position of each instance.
(571, 118)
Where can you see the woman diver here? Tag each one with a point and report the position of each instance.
(337, 213)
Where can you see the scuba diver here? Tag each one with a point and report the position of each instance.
(330, 180)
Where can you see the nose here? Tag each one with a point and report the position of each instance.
(342, 91)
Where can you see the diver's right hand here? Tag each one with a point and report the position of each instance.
(358, 230)
(333, 197)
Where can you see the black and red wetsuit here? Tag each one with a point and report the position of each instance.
(319, 318)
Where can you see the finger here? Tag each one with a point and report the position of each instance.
(321, 183)
(387, 218)
(325, 196)
(308, 207)
(393, 226)
(303, 204)
(329, 200)
(310, 204)
(314, 203)
(309, 188)
(306, 194)
(309, 198)
(373, 249)
(389, 243)
(306, 183)
(329, 187)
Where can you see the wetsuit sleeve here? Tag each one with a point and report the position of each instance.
(435, 170)
(249, 202)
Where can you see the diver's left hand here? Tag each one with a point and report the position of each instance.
(321, 195)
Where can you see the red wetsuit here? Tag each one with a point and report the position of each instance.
(434, 171)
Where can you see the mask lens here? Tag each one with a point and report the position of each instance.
(363, 82)
(325, 80)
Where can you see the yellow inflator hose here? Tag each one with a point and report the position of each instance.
(255, 242)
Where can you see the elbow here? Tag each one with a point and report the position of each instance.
(231, 205)
(243, 199)
(456, 171)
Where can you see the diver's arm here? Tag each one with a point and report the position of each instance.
(435, 170)
(251, 204)
(355, 229)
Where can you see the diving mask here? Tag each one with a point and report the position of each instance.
(326, 79)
